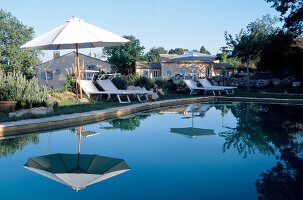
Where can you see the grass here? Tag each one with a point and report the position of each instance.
(68, 103)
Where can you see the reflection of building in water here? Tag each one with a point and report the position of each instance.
(77, 170)
(186, 109)
(173, 110)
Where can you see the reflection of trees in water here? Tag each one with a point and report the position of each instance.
(271, 129)
(11, 145)
(285, 179)
(262, 127)
(248, 135)
(128, 124)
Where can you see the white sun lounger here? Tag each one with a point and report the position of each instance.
(194, 88)
(206, 84)
(89, 89)
(108, 86)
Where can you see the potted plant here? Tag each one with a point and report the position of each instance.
(7, 96)
(7, 103)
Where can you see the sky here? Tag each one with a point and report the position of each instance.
(156, 23)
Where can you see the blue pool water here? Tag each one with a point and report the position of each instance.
(227, 151)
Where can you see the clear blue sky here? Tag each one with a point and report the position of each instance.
(167, 23)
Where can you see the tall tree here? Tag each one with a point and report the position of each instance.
(249, 43)
(292, 13)
(224, 55)
(179, 51)
(124, 57)
(13, 34)
(204, 50)
(282, 54)
(153, 55)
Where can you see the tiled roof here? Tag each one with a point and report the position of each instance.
(187, 57)
(148, 65)
(73, 53)
(167, 57)
(193, 56)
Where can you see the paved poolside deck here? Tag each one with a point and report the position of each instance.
(14, 128)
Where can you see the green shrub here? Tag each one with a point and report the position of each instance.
(15, 87)
(120, 82)
(182, 88)
(70, 83)
(145, 82)
(166, 85)
(132, 78)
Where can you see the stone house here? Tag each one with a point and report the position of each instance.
(171, 65)
(53, 73)
(222, 69)
(148, 69)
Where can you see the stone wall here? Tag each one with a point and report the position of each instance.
(242, 81)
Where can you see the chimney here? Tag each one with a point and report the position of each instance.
(56, 54)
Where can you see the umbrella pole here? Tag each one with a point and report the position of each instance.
(78, 70)
(79, 139)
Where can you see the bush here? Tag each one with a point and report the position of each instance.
(120, 82)
(182, 88)
(132, 78)
(166, 85)
(70, 83)
(15, 87)
(145, 82)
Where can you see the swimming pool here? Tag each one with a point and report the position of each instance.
(198, 151)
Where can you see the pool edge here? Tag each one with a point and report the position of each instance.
(15, 128)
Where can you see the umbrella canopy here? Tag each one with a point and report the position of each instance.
(75, 170)
(193, 132)
(75, 33)
(201, 109)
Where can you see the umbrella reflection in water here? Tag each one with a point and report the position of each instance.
(195, 110)
(75, 170)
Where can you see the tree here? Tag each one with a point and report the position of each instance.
(179, 51)
(282, 54)
(153, 55)
(124, 57)
(249, 43)
(13, 35)
(224, 55)
(291, 11)
(204, 50)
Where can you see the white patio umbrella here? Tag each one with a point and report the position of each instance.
(75, 170)
(75, 33)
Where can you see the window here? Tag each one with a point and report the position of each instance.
(182, 72)
(145, 73)
(57, 72)
(89, 75)
(90, 67)
(225, 73)
(155, 73)
(195, 71)
(169, 73)
(48, 74)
